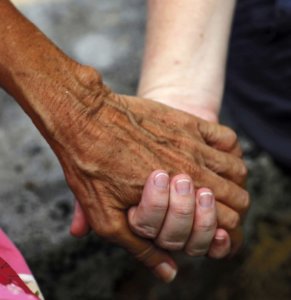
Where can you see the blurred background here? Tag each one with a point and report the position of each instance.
(36, 204)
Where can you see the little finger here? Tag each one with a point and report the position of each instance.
(221, 244)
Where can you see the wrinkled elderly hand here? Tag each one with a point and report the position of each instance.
(176, 216)
(151, 212)
(109, 143)
(199, 102)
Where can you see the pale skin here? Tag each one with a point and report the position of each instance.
(174, 219)
(178, 217)
(80, 118)
(184, 64)
(185, 54)
(185, 57)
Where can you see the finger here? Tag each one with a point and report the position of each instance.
(221, 245)
(220, 137)
(227, 165)
(236, 150)
(230, 220)
(147, 218)
(79, 227)
(160, 262)
(204, 224)
(110, 222)
(179, 218)
(227, 218)
(226, 191)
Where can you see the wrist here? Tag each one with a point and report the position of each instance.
(205, 105)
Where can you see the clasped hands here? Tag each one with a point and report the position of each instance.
(108, 144)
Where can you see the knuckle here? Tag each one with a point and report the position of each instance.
(146, 254)
(145, 230)
(239, 171)
(89, 76)
(243, 170)
(246, 202)
(183, 211)
(168, 245)
(196, 252)
(238, 151)
(232, 137)
(158, 206)
(206, 226)
(194, 168)
(112, 231)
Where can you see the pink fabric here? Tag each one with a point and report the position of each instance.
(12, 255)
(13, 292)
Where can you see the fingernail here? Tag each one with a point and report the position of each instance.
(219, 240)
(206, 199)
(166, 272)
(161, 181)
(183, 187)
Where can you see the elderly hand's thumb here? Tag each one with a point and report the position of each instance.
(157, 260)
(161, 264)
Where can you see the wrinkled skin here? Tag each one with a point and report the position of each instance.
(117, 141)
(108, 144)
(80, 227)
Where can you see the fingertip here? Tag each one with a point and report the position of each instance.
(79, 230)
(166, 271)
(205, 198)
(203, 190)
(160, 180)
(157, 184)
(221, 245)
(221, 236)
(79, 226)
(182, 184)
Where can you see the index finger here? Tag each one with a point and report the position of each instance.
(220, 137)
(225, 191)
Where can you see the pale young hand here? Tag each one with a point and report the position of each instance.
(203, 104)
(174, 220)
(177, 217)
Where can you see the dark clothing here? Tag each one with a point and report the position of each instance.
(258, 81)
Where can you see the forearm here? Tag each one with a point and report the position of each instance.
(42, 79)
(186, 48)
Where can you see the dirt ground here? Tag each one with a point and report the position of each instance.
(36, 205)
